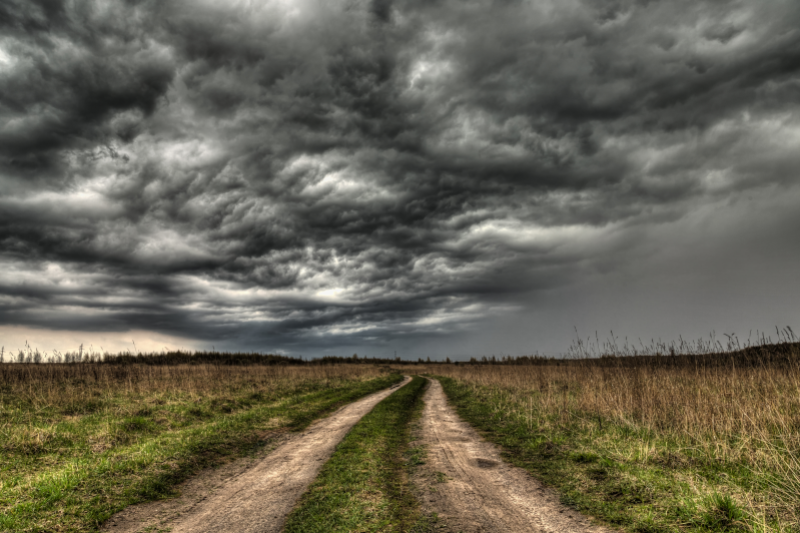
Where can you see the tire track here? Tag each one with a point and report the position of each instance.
(478, 492)
(259, 498)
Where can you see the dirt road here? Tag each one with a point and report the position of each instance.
(469, 486)
(258, 498)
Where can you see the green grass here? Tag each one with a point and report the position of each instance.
(364, 487)
(627, 476)
(71, 468)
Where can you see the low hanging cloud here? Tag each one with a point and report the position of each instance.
(305, 175)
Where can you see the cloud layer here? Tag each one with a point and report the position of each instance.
(309, 175)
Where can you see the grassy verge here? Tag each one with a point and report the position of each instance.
(636, 478)
(70, 466)
(364, 486)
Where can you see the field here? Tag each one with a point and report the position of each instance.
(686, 439)
(79, 442)
(700, 442)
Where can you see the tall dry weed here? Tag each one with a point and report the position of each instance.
(711, 406)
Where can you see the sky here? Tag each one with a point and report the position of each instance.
(421, 178)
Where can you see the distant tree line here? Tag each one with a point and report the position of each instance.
(766, 353)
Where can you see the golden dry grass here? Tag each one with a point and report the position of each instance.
(708, 405)
(64, 385)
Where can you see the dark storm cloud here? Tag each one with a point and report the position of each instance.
(310, 173)
(68, 68)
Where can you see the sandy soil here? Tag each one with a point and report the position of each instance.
(472, 490)
(250, 495)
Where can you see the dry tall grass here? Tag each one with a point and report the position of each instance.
(736, 406)
(704, 404)
(63, 385)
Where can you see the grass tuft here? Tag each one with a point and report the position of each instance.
(723, 513)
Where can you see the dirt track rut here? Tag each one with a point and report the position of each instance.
(480, 492)
(258, 498)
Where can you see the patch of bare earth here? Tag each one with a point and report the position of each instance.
(467, 484)
(251, 494)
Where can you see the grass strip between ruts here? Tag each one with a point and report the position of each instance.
(599, 469)
(364, 486)
(80, 493)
